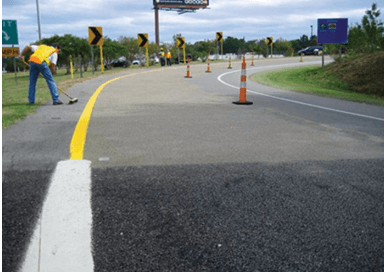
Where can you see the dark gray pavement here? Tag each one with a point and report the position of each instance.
(304, 216)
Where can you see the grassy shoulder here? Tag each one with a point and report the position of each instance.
(15, 105)
(324, 82)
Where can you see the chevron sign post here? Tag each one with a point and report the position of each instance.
(269, 41)
(180, 43)
(220, 39)
(142, 41)
(95, 37)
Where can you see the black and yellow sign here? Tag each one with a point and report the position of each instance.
(180, 42)
(142, 40)
(10, 52)
(95, 35)
(219, 36)
(269, 40)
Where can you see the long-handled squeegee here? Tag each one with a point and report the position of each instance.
(71, 99)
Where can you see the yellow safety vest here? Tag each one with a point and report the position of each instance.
(162, 54)
(169, 56)
(42, 53)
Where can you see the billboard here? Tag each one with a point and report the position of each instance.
(180, 3)
(332, 31)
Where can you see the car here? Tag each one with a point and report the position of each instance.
(118, 63)
(311, 50)
(136, 62)
(154, 58)
(143, 61)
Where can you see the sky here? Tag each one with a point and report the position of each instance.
(249, 19)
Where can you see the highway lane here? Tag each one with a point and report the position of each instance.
(196, 122)
(183, 180)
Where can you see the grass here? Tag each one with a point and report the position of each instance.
(15, 105)
(314, 80)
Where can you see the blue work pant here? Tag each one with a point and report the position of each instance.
(34, 70)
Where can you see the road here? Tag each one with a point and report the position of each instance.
(183, 180)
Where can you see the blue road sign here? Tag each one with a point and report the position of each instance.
(332, 31)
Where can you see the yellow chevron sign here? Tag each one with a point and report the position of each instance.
(219, 36)
(269, 40)
(180, 42)
(142, 40)
(95, 35)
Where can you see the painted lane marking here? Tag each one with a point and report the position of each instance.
(219, 78)
(62, 239)
(76, 148)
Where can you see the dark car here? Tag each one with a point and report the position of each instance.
(311, 50)
(118, 63)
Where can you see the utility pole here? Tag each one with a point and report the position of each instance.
(157, 25)
(38, 19)
(311, 33)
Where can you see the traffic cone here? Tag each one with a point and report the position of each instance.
(208, 68)
(188, 71)
(252, 64)
(243, 86)
(301, 57)
(230, 63)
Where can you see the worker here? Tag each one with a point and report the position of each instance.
(43, 60)
(169, 58)
(162, 56)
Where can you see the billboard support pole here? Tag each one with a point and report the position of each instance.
(157, 25)
(322, 56)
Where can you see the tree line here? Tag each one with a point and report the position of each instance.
(366, 37)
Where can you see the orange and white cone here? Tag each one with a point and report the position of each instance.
(188, 70)
(252, 64)
(230, 63)
(243, 86)
(208, 68)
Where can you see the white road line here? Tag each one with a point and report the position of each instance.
(62, 238)
(219, 78)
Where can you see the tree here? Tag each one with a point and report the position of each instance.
(283, 46)
(112, 50)
(373, 29)
(131, 47)
(235, 45)
(367, 36)
(304, 41)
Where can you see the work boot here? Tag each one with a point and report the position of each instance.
(58, 102)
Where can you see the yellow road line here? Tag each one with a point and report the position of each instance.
(78, 139)
(76, 148)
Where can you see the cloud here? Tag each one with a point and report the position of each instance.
(248, 4)
(252, 19)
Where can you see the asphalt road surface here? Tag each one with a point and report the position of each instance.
(184, 180)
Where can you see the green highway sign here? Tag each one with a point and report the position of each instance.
(10, 32)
